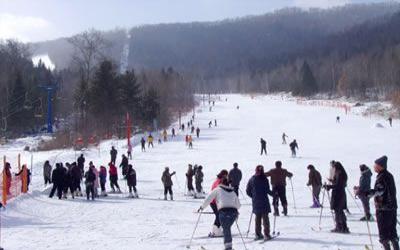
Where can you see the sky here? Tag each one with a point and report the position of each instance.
(39, 20)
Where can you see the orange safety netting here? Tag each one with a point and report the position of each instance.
(12, 186)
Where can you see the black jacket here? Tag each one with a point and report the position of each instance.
(258, 189)
(338, 199)
(131, 177)
(235, 176)
(58, 175)
(365, 182)
(385, 192)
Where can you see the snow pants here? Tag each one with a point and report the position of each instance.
(279, 194)
(365, 202)
(387, 222)
(340, 220)
(59, 189)
(227, 216)
(262, 218)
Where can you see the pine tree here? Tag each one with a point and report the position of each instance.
(17, 110)
(150, 106)
(130, 93)
(308, 85)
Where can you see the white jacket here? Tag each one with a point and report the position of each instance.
(225, 197)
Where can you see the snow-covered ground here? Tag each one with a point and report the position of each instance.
(34, 221)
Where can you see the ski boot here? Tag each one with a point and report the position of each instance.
(165, 197)
(258, 237)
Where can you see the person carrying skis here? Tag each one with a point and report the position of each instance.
(315, 181)
(384, 193)
(57, 178)
(293, 146)
(362, 190)
(124, 165)
(47, 173)
(165, 135)
(263, 146)
(166, 179)
(189, 180)
(198, 132)
(390, 121)
(258, 190)
(216, 230)
(190, 141)
(113, 154)
(338, 198)
(227, 204)
(131, 181)
(143, 143)
(113, 172)
(103, 180)
(90, 178)
(150, 140)
(199, 180)
(278, 177)
(81, 163)
(284, 136)
(235, 176)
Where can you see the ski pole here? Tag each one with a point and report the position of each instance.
(354, 199)
(248, 229)
(241, 236)
(322, 208)
(194, 231)
(244, 197)
(273, 231)
(329, 198)
(369, 233)
(294, 199)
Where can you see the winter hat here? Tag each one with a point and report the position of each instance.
(235, 164)
(363, 167)
(278, 164)
(382, 161)
(309, 167)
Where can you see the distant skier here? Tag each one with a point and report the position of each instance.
(198, 132)
(337, 119)
(129, 152)
(338, 198)
(150, 140)
(77, 176)
(131, 181)
(192, 130)
(315, 181)
(189, 179)
(47, 173)
(284, 136)
(363, 189)
(227, 205)
(263, 146)
(124, 165)
(278, 181)
(390, 121)
(113, 153)
(294, 147)
(57, 180)
(113, 172)
(173, 132)
(210, 124)
(199, 181)
(183, 127)
(166, 179)
(215, 123)
(258, 190)
(81, 163)
(235, 176)
(143, 144)
(103, 180)
(165, 135)
(90, 178)
(190, 141)
(216, 230)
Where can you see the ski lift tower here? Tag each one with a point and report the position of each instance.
(50, 89)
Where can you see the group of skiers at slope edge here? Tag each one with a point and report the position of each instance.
(293, 145)
(225, 203)
(69, 177)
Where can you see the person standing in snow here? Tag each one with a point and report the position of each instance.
(228, 205)
(57, 178)
(165, 135)
(198, 132)
(90, 178)
(189, 180)
(258, 190)
(113, 154)
(166, 179)
(113, 172)
(192, 130)
(337, 119)
(190, 141)
(129, 151)
(47, 173)
(390, 121)
(96, 181)
(199, 180)
(216, 230)
(362, 191)
(284, 136)
(143, 144)
(293, 147)
(81, 163)
(67, 180)
(173, 132)
(235, 176)
(183, 127)
(215, 123)
(131, 181)
(338, 198)
(315, 181)
(384, 193)
(278, 177)
(263, 146)
(210, 124)
(103, 180)
(150, 140)
(124, 165)
(76, 177)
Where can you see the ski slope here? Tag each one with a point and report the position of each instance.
(34, 221)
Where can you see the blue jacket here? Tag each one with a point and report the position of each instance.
(365, 181)
(258, 189)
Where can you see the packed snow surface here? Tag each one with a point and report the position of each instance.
(34, 221)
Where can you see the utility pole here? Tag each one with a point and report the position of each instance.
(49, 89)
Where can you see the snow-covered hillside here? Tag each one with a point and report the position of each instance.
(34, 221)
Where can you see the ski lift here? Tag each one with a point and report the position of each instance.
(39, 109)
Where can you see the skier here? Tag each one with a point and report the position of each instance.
(57, 178)
(293, 147)
(198, 132)
(124, 165)
(235, 176)
(338, 199)
(263, 146)
(129, 152)
(258, 189)
(390, 121)
(337, 119)
(284, 136)
(28, 176)
(228, 205)
(113, 154)
(190, 140)
(210, 124)
(165, 135)
(103, 180)
(96, 181)
(81, 163)
(113, 172)
(278, 181)
(143, 143)
(384, 193)
(47, 173)
(216, 230)
(167, 182)
(131, 181)
(150, 140)
(199, 180)
(90, 178)
(76, 177)
(67, 180)
(173, 132)
(362, 190)
(189, 180)
(183, 127)
(331, 177)
(215, 123)
(315, 181)
(192, 130)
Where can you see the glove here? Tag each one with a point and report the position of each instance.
(200, 209)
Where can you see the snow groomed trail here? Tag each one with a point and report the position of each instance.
(34, 221)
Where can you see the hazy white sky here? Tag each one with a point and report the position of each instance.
(36, 20)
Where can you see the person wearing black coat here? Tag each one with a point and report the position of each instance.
(263, 146)
(68, 181)
(384, 193)
(131, 181)
(57, 179)
(235, 176)
(81, 163)
(90, 178)
(124, 164)
(363, 189)
(258, 189)
(338, 199)
(76, 177)
(189, 179)
(293, 147)
(113, 153)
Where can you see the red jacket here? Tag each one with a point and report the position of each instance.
(113, 170)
